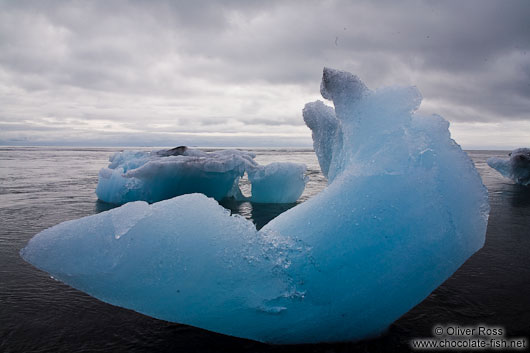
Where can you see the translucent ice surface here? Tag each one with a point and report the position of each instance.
(327, 136)
(277, 182)
(516, 167)
(404, 208)
(160, 175)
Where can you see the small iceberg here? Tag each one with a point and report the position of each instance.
(403, 210)
(160, 175)
(516, 167)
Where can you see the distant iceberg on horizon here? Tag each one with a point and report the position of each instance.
(403, 210)
(160, 175)
(516, 167)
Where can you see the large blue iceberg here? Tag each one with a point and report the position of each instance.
(516, 167)
(404, 208)
(160, 175)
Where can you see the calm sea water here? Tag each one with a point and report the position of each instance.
(40, 187)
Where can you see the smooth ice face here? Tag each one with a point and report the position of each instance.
(405, 209)
(517, 167)
(185, 257)
(277, 182)
(160, 175)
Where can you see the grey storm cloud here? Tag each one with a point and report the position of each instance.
(141, 68)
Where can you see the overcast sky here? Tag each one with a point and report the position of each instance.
(238, 73)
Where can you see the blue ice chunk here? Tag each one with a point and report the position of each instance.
(516, 167)
(277, 182)
(160, 175)
(405, 209)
